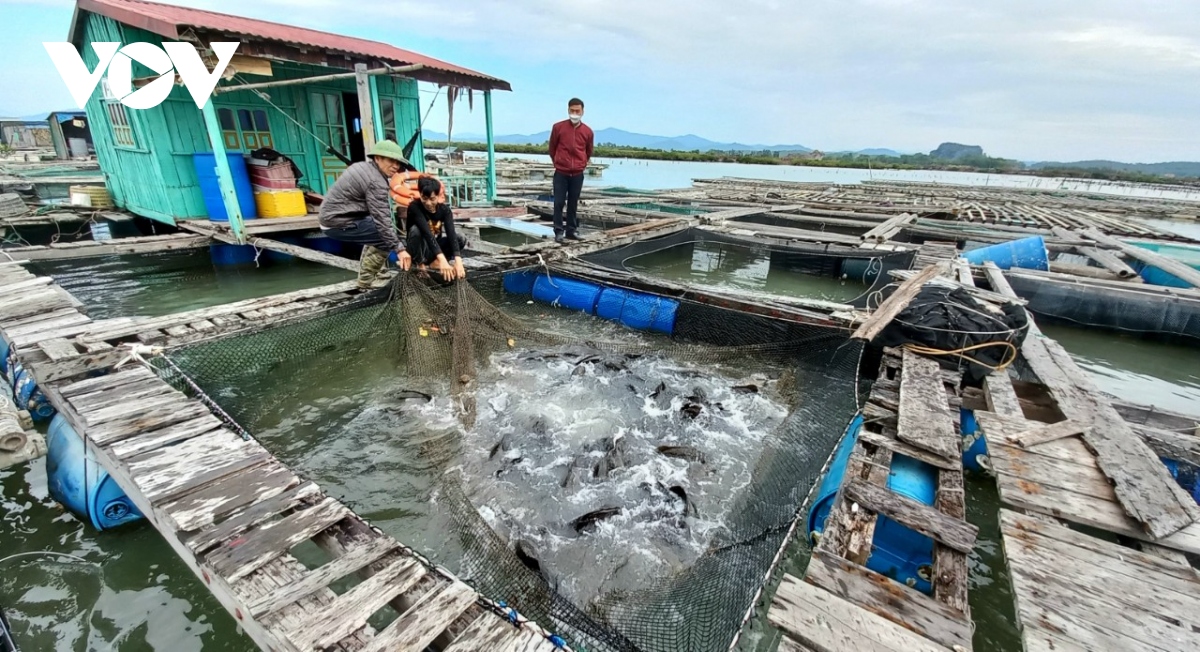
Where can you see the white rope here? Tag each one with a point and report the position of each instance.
(137, 353)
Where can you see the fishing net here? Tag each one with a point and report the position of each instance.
(428, 330)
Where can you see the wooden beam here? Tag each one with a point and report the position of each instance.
(391, 70)
(923, 419)
(914, 515)
(366, 106)
(896, 303)
(88, 248)
(1171, 445)
(1048, 432)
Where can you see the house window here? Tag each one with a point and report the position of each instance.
(244, 129)
(122, 128)
(387, 115)
(329, 121)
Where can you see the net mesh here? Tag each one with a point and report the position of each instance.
(424, 329)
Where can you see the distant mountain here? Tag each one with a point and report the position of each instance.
(622, 138)
(1176, 168)
(874, 151)
(954, 151)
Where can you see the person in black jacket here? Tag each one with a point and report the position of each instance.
(432, 241)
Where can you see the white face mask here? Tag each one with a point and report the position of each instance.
(575, 117)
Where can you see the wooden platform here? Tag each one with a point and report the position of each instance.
(843, 606)
(1075, 592)
(233, 512)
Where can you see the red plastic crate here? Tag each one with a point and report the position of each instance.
(275, 171)
(273, 184)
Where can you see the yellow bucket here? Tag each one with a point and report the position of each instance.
(280, 203)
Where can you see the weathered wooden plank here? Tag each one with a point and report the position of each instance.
(52, 322)
(108, 247)
(175, 331)
(894, 304)
(354, 560)
(259, 512)
(433, 613)
(1051, 472)
(164, 472)
(127, 410)
(350, 611)
(1087, 510)
(951, 574)
(127, 393)
(924, 420)
(1172, 574)
(108, 381)
(1103, 604)
(1000, 396)
(204, 506)
(917, 516)
(1143, 486)
(150, 420)
(828, 623)
(997, 428)
(897, 446)
(787, 644)
(257, 547)
(203, 325)
(889, 599)
(146, 442)
(1171, 445)
(1048, 432)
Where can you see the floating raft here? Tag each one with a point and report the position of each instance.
(233, 512)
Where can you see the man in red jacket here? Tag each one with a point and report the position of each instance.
(570, 149)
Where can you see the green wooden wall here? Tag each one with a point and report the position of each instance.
(155, 178)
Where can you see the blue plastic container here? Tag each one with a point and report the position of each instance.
(566, 293)
(520, 282)
(210, 189)
(1156, 276)
(323, 243)
(638, 310)
(224, 255)
(897, 551)
(823, 502)
(80, 484)
(28, 397)
(974, 445)
(5, 348)
(1026, 253)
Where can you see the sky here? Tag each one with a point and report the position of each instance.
(1026, 79)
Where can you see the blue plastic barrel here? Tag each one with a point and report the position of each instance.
(520, 282)
(80, 484)
(5, 348)
(1156, 276)
(974, 445)
(823, 502)
(279, 256)
(1026, 253)
(566, 293)
(224, 255)
(638, 310)
(210, 188)
(323, 243)
(898, 552)
(28, 396)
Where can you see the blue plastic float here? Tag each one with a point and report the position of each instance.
(80, 484)
(1026, 253)
(638, 310)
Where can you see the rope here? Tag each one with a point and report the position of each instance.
(916, 348)
(204, 398)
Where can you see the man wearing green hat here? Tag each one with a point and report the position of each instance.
(356, 210)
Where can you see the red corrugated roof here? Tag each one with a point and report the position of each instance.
(170, 22)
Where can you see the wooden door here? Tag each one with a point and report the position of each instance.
(329, 124)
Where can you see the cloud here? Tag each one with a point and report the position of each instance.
(1024, 78)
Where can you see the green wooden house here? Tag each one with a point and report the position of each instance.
(291, 89)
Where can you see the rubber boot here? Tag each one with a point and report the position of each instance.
(370, 264)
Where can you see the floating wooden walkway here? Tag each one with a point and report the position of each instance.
(841, 604)
(233, 512)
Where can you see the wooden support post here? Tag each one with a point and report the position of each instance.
(366, 106)
(380, 125)
(899, 300)
(224, 174)
(491, 146)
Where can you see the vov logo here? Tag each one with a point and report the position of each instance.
(118, 61)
